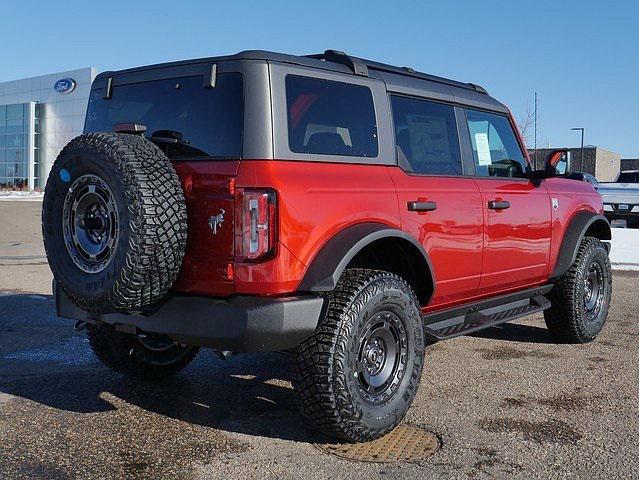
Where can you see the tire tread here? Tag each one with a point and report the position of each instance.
(564, 317)
(157, 221)
(319, 362)
(114, 349)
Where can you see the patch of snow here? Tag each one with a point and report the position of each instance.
(628, 267)
(624, 252)
(13, 195)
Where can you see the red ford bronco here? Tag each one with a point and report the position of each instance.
(344, 210)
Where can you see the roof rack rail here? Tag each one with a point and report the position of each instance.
(357, 66)
(360, 66)
(479, 88)
(410, 72)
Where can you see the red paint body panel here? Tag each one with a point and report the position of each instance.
(451, 234)
(315, 201)
(205, 185)
(517, 239)
(476, 252)
(573, 197)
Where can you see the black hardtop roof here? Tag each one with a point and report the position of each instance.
(329, 60)
(403, 80)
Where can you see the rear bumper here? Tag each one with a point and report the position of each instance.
(239, 324)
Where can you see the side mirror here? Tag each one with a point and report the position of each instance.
(558, 163)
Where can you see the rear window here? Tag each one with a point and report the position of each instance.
(330, 118)
(186, 119)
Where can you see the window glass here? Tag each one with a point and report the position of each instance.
(186, 119)
(15, 118)
(14, 155)
(330, 118)
(495, 147)
(628, 177)
(3, 119)
(426, 136)
(15, 140)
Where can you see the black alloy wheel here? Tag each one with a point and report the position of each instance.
(357, 375)
(90, 223)
(381, 361)
(580, 298)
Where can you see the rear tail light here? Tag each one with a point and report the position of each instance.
(257, 222)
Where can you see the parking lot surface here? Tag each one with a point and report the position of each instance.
(506, 402)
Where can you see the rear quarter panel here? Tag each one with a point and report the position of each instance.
(315, 201)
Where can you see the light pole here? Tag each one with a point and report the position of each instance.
(581, 166)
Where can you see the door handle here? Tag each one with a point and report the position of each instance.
(498, 205)
(421, 206)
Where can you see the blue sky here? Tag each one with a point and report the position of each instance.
(580, 56)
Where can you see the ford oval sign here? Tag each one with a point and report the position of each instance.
(64, 85)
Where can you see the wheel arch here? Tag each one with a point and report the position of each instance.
(368, 245)
(582, 224)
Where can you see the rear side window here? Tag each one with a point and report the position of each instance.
(426, 136)
(185, 119)
(495, 147)
(330, 118)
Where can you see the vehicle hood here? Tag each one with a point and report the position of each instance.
(618, 192)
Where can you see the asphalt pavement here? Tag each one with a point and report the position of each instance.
(507, 402)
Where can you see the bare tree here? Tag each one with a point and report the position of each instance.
(526, 125)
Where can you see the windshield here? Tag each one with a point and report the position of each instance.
(628, 177)
(183, 117)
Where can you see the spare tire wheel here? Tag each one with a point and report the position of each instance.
(114, 222)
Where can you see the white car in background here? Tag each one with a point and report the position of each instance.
(621, 199)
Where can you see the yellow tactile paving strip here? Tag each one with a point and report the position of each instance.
(407, 443)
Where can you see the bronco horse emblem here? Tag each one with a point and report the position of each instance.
(216, 221)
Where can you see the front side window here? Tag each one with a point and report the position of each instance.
(426, 136)
(330, 118)
(495, 147)
(181, 116)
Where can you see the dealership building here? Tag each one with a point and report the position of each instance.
(38, 117)
(603, 164)
(629, 164)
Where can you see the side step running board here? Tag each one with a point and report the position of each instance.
(464, 320)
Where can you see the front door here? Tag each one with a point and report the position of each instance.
(517, 213)
(438, 205)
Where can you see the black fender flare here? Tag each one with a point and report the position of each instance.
(324, 271)
(580, 224)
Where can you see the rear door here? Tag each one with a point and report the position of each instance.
(517, 213)
(438, 204)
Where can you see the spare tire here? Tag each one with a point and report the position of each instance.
(114, 222)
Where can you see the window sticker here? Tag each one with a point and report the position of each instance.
(483, 149)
